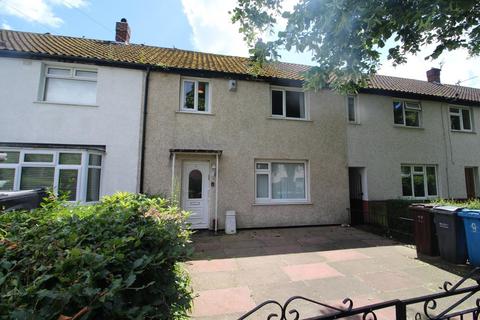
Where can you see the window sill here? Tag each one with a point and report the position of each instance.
(355, 123)
(195, 112)
(408, 127)
(67, 104)
(419, 198)
(282, 203)
(463, 131)
(290, 119)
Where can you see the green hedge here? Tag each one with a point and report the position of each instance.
(117, 259)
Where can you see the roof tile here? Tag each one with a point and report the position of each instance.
(111, 51)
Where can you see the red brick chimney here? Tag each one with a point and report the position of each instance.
(433, 75)
(122, 31)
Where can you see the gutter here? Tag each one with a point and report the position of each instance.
(144, 129)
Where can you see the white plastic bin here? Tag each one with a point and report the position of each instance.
(230, 222)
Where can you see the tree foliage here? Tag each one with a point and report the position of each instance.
(347, 37)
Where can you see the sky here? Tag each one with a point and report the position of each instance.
(201, 25)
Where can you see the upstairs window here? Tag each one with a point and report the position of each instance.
(407, 113)
(419, 181)
(352, 109)
(70, 85)
(288, 104)
(460, 119)
(195, 96)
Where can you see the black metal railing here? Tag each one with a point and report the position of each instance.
(430, 306)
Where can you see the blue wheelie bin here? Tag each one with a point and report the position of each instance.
(471, 222)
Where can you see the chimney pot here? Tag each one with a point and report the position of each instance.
(122, 31)
(433, 75)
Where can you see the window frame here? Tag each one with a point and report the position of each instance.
(284, 103)
(208, 106)
(425, 180)
(82, 168)
(404, 103)
(73, 69)
(355, 109)
(270, 200)
(460, 115)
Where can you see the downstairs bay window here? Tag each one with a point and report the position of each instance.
(419, 181)
(281, 182)
(73, 173)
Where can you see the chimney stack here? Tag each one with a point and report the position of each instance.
(122, 31)
(433, 75)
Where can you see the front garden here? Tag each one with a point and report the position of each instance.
(117, 259)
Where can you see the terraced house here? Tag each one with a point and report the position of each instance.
(93, 117)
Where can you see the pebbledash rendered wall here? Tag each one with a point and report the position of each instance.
(381, 147)
(241, 126)
(114, 122)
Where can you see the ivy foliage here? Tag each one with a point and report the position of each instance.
(117, 259)
(347, 37)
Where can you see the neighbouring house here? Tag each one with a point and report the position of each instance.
(411, 139)
(66, 122)
(201, 128)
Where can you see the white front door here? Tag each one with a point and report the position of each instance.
(195, 192)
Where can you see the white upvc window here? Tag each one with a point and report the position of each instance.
(69, 85)
(281, 182)
(352, 116)
(407, 113)
(288, 103)
(461, 119)
(67, 172)
(196, 96)
(419, 181)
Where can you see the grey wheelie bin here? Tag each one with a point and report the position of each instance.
(451, 234)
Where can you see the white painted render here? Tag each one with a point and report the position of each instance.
(115, 121)
(380, 147)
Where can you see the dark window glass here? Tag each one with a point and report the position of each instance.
(406, 182)
(419, 185)
(455, 122)
(351, 109)
(195, 184)
(431, 181)
(93, 184)
(38, 157)
(277, 102)
(466, 119)
(189, 94)
(94, 160)
(412, 118)
(36, 177)
(295, 104)
(7, 177)
(202, 96)
(67, 183)
(12, 156)
(398, 112)
(70, 158)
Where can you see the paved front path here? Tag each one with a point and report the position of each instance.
(232, 274)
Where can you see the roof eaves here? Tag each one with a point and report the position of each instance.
(418, 96)
(142, 66)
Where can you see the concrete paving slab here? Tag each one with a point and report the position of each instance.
(233, 273)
